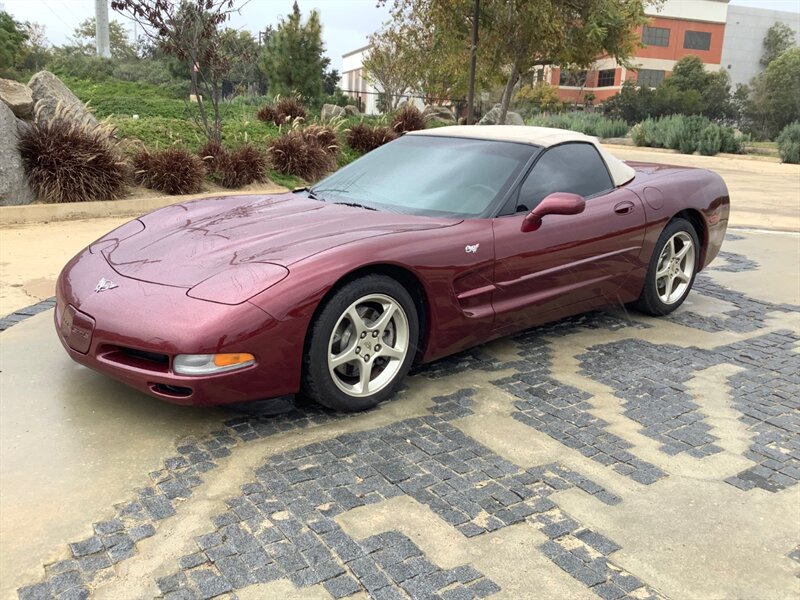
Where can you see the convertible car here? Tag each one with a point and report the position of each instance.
(436, 242)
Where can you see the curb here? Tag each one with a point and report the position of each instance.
(132, 207)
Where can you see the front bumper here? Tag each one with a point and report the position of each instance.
(133, 332)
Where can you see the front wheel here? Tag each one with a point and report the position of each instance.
(672, 269)
(361, 344)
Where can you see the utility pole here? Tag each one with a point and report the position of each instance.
(101, 28)
(472, 64)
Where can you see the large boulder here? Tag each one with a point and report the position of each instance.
(17, 97)
(440, 113)
(329, 111)
(352, 111)
(493, 117)
(14, 187)
(51, 95)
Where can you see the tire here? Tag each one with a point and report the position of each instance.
(361, 345)
(669, 280)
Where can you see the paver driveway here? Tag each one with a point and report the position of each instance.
(609, 455)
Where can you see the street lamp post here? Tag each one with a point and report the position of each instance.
(472, 62)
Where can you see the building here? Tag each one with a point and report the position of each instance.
(744, 36)
(722, 36)
(677, 29)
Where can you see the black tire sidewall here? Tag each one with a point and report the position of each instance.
(318, 383)
(649, 301)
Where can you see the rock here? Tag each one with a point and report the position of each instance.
(49, 93)
(493, 116)
(330, 111)
(14, 187)
(18, 98)
(352, 111)
(441, 113)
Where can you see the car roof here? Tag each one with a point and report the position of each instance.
(535, 136)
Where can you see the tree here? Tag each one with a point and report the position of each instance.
(35, 51)
(691, 89)
(293, 59)
(190, 32)
(330, 82)
(12, 39)
(388, 69)
(244, 50)
(121, 46)
(517, 35)
(778, 39)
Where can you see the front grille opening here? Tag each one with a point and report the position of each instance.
(140, 359)
(174, 391)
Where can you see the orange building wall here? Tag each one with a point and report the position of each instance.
(675, 50)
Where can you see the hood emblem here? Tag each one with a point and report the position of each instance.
(471, 249)
(103, 285)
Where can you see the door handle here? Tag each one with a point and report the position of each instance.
(624, 208)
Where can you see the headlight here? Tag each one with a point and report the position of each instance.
(210, 364)
(241, 282)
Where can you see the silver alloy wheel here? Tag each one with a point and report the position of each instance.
(368, 345)
(675, 268)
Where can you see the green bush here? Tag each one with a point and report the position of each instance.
(710, 141)
(789, 143)
(589, 123)
(686, 134)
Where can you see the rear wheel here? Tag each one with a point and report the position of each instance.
(361, 344)
(672, 269)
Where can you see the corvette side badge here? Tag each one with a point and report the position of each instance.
(471, 249)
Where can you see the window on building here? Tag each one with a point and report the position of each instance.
(650, 77)
(605, 78)
(655, 36)
(697, 40)
(572, 78)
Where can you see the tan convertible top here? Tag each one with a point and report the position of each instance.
(536, 136)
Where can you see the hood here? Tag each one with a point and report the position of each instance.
(184, 244)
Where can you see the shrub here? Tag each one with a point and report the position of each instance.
(172, 171)
(267, 114)
(283, 110)
(710, 140)
(69, 161)
(408, 118)
(289, 109)
(209, 153)
(301, 156)
(789, 143)
(325, 136)
(588, 123)
(364, 138)
(240, 167)
(645, 133)
(729, 142)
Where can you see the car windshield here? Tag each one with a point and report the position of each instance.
(427, 175)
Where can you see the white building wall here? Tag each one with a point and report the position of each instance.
(744, 36)
(710, 11)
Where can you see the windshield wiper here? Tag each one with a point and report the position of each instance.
(308, 191)
(356, 205)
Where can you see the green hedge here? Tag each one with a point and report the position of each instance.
(687, 134)
(589, 123)
(789, 143)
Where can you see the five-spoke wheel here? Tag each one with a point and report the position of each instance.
(672, 269)
(361, 345)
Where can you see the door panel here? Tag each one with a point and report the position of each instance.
(569, 259)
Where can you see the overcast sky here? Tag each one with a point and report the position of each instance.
(346, 23)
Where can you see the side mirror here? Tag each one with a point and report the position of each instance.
(557, 203)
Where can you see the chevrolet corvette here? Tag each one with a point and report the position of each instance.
(436, 242)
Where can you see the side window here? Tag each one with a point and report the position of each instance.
(576, 168)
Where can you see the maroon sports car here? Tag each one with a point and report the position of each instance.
(431, 244)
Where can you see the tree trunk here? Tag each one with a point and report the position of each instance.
(506, 99)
